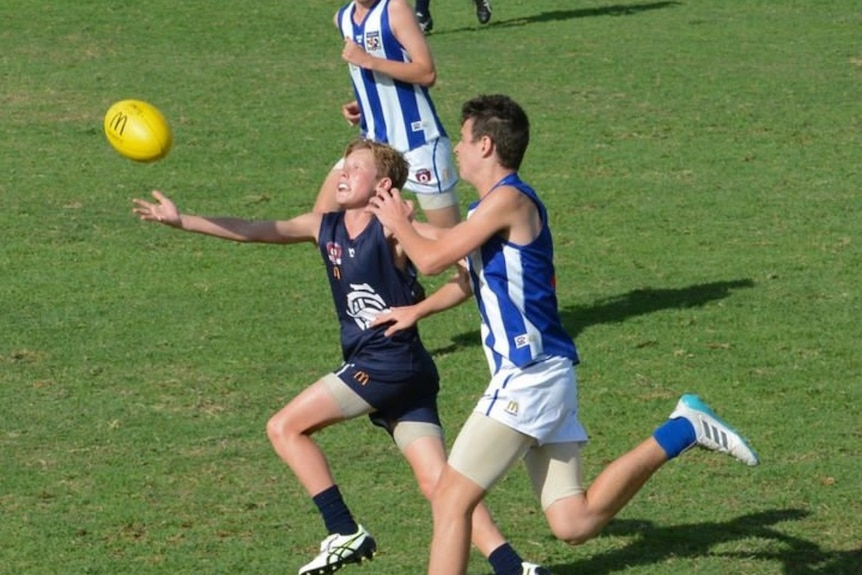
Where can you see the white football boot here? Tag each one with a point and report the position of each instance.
(712, 432)
(533, 569)
(338, 550)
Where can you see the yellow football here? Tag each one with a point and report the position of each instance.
(138, 131)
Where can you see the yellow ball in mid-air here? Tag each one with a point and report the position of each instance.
(138, 130)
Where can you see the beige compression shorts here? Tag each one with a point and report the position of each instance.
(352, 405)
(486, 449)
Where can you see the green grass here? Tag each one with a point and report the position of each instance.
(701, 163)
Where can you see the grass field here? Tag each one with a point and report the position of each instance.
(701, 161)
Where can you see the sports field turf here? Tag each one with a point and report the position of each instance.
(701, 162)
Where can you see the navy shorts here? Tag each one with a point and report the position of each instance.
(396, 395)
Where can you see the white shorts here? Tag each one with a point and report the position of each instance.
(539, 400)
(432, 171)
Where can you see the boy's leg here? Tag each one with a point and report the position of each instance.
(423, 447)
(575, 517)
(324, 403)
(483, 452)
(483, 10)
(423, 14)
(441, 210)
(290, 431)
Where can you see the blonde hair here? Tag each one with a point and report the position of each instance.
(390, 163)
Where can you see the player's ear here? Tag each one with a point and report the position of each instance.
(383, 185)
(487, 145)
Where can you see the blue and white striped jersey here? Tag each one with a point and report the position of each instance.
(515, 289)
(393, 112)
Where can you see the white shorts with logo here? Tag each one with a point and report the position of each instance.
(539, 400)
(529, 413)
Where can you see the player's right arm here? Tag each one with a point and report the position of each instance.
(164, 211)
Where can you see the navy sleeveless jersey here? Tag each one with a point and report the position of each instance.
(364, 282)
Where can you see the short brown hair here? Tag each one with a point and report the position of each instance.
(390, 163)
(504, 121)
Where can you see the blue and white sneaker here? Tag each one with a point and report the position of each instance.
(338, 550)
(712, 432)
(533, 569)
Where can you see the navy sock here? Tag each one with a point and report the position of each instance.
(421, 7)
(675, 436)
(336, 515)
(505, 560)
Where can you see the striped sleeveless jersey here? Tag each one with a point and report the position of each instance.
(393, 112)
(514, 287)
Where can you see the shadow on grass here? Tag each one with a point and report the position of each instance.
(653, 545)
(560, 15)
(617, 309)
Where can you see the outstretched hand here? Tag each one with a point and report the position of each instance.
(163, 210)
(401, 318)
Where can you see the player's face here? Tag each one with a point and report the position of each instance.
(358, 180)
(467, 151)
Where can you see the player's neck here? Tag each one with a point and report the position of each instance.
(361, 8)
(356, 220)
(485, 180)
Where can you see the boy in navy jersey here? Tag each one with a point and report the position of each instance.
(529, 410)
(392, 72)
(392, 379)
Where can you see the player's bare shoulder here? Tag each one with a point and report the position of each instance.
(519, 218)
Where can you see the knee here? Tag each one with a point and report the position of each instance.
(572, 528)
(572, 533)
(427, 486)
(450, 501)
(278, 427)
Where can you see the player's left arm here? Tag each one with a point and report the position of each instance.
(449, 295)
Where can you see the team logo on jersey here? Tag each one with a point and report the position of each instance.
(372, 41)
(511, 407)
(334, 252)
(364, 304)
(522, 340)
(423, 176)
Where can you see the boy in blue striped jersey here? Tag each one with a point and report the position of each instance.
(529, 410)
(392, 72)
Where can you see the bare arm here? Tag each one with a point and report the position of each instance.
(164, 211)
(419, 70)
(504, 212)
(449, 295)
